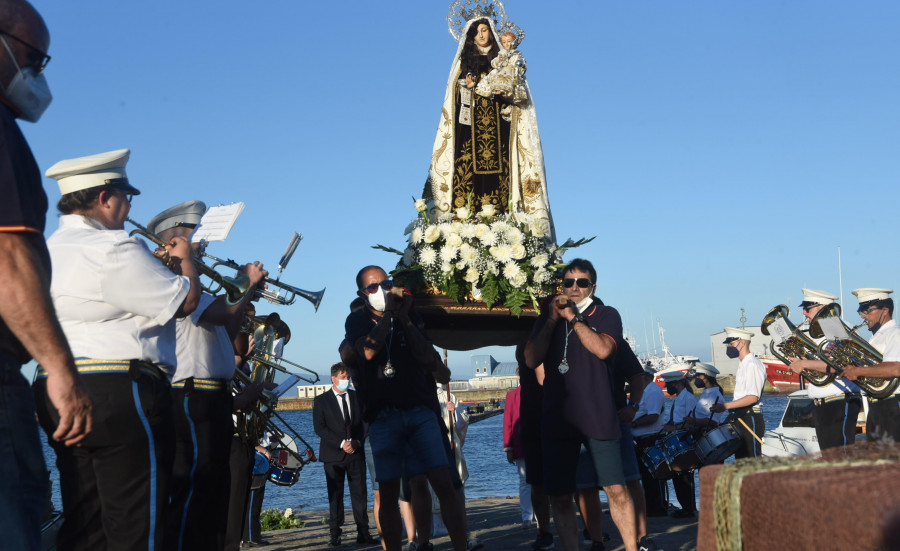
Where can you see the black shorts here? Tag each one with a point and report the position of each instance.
(560, 457)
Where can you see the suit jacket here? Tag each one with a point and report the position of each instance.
(328, 422)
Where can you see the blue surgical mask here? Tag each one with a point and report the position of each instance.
(343, 384)
(732, 352)
(28, 90)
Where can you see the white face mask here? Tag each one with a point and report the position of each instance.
(28, 90)
(584, 303)
(377, 300)
(343, 384)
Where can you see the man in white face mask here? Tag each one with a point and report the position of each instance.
(23, 50)
(28, 325)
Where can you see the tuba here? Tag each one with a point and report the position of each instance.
(854, 350)
(795, 343)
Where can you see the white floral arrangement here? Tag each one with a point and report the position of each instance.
(500, 259)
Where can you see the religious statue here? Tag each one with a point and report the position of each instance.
(487, 150)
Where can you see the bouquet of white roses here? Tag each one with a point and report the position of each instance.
(505, 259)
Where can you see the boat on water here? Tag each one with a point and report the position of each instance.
(780, 375)
(666, 362)
(796, 433)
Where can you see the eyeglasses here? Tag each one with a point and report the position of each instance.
(584, 283)
(124, 194)
(869, 310)
(387, 285)
(809, 307)
(40, 54)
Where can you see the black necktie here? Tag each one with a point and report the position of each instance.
(672, 413)
(346, 416)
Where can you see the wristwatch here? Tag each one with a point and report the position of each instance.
(578, 317)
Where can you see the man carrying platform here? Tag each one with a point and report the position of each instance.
(396, 380)
(749, 380)
(877, 309)
(573, 339)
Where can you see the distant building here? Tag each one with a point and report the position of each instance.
(488, 374)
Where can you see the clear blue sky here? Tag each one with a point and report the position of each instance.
(720, 151)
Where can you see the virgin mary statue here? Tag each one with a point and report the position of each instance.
(487, 147)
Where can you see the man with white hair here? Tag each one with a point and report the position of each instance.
(746, 404)
(836, 405)
(877, 309)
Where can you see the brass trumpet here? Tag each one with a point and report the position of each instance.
(275, 297)
(235, 288)
(854, 350)
(796, 345)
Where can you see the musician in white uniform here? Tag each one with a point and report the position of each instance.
(746, 404)
(836, 405)
(682, 406)
(705, 379)
(116, 303)
(201, 400)
(877, 309)
(645, 427)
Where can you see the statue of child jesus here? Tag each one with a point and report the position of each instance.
(505, 79)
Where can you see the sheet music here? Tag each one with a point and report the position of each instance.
(833, 328)
(779, 330)
(217, 223)
(288, 384)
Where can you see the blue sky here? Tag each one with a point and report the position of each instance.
(721, 152)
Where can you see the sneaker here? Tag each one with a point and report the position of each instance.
(412, 546)
(646, 544)
(472, 544)
(543, 541)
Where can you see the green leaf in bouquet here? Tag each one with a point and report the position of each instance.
(387, 249)
(490, 291)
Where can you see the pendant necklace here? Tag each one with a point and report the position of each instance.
(564, 364)
(388, 367)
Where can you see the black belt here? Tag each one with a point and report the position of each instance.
(837, 398)
(89, 366)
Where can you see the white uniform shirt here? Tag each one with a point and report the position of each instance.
(750, 378)
(706, 400)
(887, 341)
(836, 387)
(204, 350)
(113, 298)
(681, 407)
(653, 401)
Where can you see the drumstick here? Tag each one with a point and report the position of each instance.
(708, 421)
(758, 439)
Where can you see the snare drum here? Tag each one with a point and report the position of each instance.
(717, 444)
(655, 460)
(680, 453)
(285, 465)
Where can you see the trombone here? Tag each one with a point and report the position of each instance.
(235, 288)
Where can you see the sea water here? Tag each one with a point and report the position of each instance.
(490, 475)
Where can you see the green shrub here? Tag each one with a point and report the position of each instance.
(275, 519)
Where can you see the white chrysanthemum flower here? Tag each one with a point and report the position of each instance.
(517, 251)
(514, 235)
(541, 276)
(409, 256)
(488, 239)
(446, 267)
(511, 270)
(468, 254)
(416, 236)
(492, 267)
(487, 211)
(432, 234)
(472, 275)
(463, 213)
(499, 227)
(420, 205)
(540, 228)
(467, 231)
(427, 256)
(481, 229)
(454, 240)
(519, 280)
(502, 253)
(448, 253)
(540, 260)
(461, 265)
(446, 229)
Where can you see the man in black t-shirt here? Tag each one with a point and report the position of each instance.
(395, 374)
(28, 326)
(573, 339)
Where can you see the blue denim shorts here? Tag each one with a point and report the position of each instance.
(406, 441)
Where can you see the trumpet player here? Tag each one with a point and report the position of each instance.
(836, 405)
(876, 307)
(749, 380)
(116, 304)
(201, 400)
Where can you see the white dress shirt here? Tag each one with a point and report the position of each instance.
(204, 350)
(682, 406)
(653, 401)
(113, 298)
(887, 341)
(750, 378)
(706, 400)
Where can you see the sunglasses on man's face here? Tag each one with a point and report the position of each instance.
(580, 281)
(387, 285)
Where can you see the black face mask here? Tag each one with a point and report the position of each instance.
(698, 382)
(732, 352)
(874, 329)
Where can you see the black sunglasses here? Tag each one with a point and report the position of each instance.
(582, 282)
(387, 285)
(44, 58)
